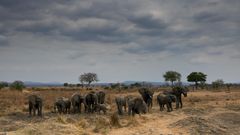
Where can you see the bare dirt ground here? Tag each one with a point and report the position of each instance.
(203, 112)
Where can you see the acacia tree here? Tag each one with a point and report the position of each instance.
(88, 78)
(172, 76)
(196, 77)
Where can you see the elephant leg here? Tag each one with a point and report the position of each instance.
(129, 110)
(180, 100)
(133, 112)
(177, 103)
(80, 108)
(168, 107)
(159, 106)
(38, 111)
(30, 109)
(119, 109)
(125, 108)
(34, 111)
(41, 111)
(162, 107)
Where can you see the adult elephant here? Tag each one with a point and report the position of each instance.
(91, 100)
(163, 99)
(62, 105)
(121, 102)
(76, 100)
(178, 92)
(101, 97)
(136, 106)
(147, 96)
(35, 104)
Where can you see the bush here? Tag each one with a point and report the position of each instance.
(17, 85)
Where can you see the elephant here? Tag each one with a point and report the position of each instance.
(62, 105)
(101, 107)
(163, 99)
(76, 101)
(177, 91)
(35, 103)
(91, 101)
(121, 102)
(147, 96)
(101, 97)
(136, 106)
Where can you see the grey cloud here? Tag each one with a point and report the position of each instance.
(148, 22)
(134, 29)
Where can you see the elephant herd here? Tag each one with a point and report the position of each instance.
(95, 102)
(92, 102)
(138, 105)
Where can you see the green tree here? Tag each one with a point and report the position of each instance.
(17, 85)
(88, 78)
(217, 84)
(3, 84)
(196, 77)
(172, 76)
(65, 84)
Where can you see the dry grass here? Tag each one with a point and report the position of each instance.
(203, 111)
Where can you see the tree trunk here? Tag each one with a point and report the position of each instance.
(89, 84)
(196, 85)
(172, 84)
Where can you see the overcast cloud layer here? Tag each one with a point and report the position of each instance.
(57, 40)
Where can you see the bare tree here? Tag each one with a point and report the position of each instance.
(88, 78)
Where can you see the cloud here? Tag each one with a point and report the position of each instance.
(3, 40)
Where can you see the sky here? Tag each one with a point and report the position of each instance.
(120, 40)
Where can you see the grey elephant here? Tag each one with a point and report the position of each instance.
(178, 92)
(101, 97)
(136, 106)
(147, 96)
(62, 105)
(163, 99)
(76, 101)
(35, 104)
(91, 100)
(101, 107)
(121, 102)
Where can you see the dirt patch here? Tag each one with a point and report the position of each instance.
(199, 125)
(233, 106)
(230, 120)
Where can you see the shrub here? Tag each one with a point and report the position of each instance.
(3, 84)
(17, 85)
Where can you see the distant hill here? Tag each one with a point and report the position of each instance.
(55, 84)
(38, 84)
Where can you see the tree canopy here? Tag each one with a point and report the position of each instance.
(172, 76)
(196, 77)
(88, 78)
(17, 85)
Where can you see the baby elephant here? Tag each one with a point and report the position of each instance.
(101, 107)
(35, 104)
(62, 105)
(163, 99)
